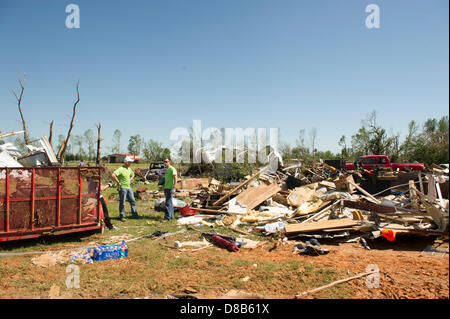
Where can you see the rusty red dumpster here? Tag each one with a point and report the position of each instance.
(38, 201)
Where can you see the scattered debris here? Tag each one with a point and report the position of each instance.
(311, 247)
(222, 241)
(11, 156)
(50, 259)
(190, 220)
(311, 202)
(321, 200)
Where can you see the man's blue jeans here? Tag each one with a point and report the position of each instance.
(127, 194)
(168, 214)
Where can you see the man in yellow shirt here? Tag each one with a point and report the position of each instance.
(123, 177)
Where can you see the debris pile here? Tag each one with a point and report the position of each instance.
(321, 202)
(11, 156)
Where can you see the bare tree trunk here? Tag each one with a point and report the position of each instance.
(313, 140)
(60, 150)
(19, 101)
(51, 134)
(9, 134)
(97, 161)
(61, 158)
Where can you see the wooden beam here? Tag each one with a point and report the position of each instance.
(365, 193)
(303, 294)
(420, 182)
(413, 195)
(331, 168)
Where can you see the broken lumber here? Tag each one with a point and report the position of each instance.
(331, 168)
(234, 190)
(413, 195)
(420, 182)
(168, 234)
(239, 231)
(365, 193)
(334, 283)
(323, 211)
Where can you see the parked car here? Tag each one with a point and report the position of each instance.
(156, 171)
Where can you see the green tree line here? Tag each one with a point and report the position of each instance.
(426, 142)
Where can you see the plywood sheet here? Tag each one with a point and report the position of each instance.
(253, 196)
(320, 225)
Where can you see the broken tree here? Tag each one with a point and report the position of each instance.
(66, 141)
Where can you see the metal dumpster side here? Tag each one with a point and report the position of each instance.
(39, 201)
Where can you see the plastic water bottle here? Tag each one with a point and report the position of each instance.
(122, 249)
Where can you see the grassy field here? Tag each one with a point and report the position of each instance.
(155, 269)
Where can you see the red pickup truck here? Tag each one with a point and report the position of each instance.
(370, 162)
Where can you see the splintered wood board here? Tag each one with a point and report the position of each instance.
(320, 225)
(253, 196)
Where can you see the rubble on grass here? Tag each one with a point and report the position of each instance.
(321, 202)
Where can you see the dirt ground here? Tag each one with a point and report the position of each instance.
(155, 271)
(406, 272)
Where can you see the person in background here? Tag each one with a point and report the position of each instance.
(108, 223)
(123, 177)
(169, 188)
(92, 189)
